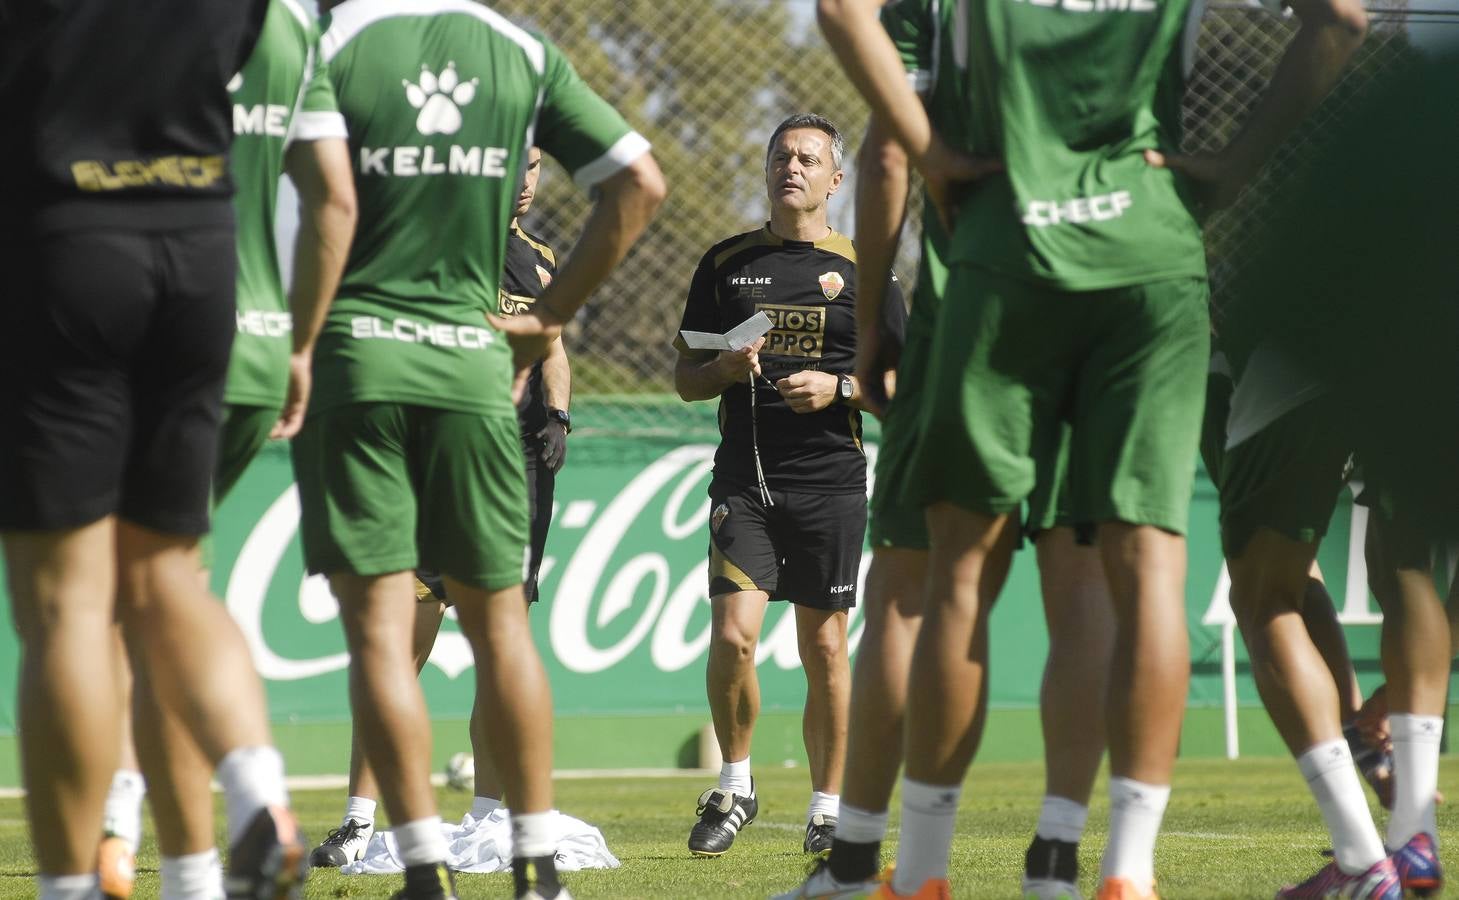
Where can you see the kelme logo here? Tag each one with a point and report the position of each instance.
(235, 83)
(439, 99)
(831, 284)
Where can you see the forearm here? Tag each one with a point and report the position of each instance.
(326, 228)
(557, 376)
(881, 203)
(870, 60)
(626, 203)
(1313, 62)
(700, 380)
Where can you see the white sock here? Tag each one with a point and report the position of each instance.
(824, 804)
(1415, 776)
(735, 776)
(534, 834)
(1328, 768)
(860, 826)
(252, 778)
(196, 876)
(69, 887)
(122, 815)
(929, 814)
(421, 842)
(1061, 819)
(481, 807)
(361, 809)
(1135, 811)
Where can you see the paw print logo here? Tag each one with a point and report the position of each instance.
(439, 99)
(235, 82)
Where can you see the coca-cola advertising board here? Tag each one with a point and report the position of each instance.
(624, 622)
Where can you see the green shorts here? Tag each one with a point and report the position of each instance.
(896, 519)
(245, 430)
(1012, 362)
(1287, 477)
(1051, 505)
(387, 487)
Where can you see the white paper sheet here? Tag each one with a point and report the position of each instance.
(738, 337)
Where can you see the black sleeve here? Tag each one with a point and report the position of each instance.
(701, 307)
(252, 31)
(894, 313)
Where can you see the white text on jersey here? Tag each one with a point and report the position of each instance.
(1101, 208)
(488, 162)
(267, 119)
(441, 334)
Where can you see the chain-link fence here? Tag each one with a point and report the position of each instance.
(706, 81)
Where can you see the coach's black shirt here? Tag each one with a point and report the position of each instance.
(116, 112)
(809, 292)
(527, 271)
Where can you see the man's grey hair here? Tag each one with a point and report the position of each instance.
(818, 122)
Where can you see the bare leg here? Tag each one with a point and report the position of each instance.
(1319, 614)
(488, 779)
(389, 709)
(893, 608)
(196, 659)
(513, 690)
(1268, 591)
(1081, 642)
(428, 616)
(821, 635)
(948, 687)
(733, 688)
(62, 585)
(1416, 643)
(967, 567)
(178, 776)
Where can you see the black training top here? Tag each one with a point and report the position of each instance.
(116, 112)
(526, 272)
(809, 292)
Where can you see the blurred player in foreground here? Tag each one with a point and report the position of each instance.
(1120, 271)
(118, 228)
(285, 120)
(1342, 334)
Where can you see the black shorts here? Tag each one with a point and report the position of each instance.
(805, 549)
(541, 483)
(113, 357)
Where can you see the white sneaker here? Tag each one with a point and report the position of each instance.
(345, 844)
(820, 885)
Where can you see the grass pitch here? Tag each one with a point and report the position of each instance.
(1234, 829)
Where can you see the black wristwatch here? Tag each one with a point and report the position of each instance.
(563, 416)
(844, 388)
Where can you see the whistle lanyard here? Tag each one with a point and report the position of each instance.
(765, 498)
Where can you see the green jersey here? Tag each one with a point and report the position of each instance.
(1069, 94)
(281, 95)
(442, 99)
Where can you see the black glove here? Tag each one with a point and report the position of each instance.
(554, 445)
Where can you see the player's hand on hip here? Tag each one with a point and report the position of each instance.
(291, 418)
(808, 390)
(529, 335)
(554, 445)
(949, 174)
(1214, 180)
(738, 364)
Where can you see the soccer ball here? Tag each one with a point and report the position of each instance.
(461, 772)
